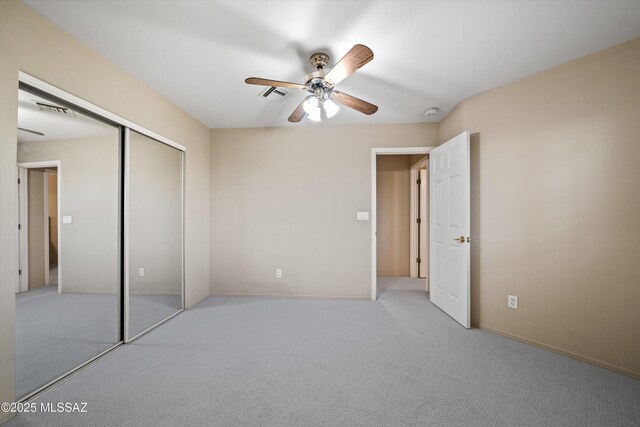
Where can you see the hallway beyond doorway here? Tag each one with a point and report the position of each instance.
(401, 283)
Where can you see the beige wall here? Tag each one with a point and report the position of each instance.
(30, 43)
(52, 204)
(287, 198)
(89, 173)
(555, 207)
(415, 158)
(36, 231)
(452, 124)
(393, 202)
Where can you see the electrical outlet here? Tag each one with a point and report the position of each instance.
(512, 301)
(278, 273)
(141, 272)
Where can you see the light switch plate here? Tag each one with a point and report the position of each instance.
(362, 216)
(67, 219)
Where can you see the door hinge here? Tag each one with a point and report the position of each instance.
(19, 227)
(18, 180)
(19, 272)
(418, 260)
(418, 181)
(419, 220)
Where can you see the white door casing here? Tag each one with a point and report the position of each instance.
(46, 228)
(418, 234)
(374, 153)
(423, 237)
(23, 259)
(450, 218)
(23, 255)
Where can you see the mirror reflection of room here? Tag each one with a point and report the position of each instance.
(68, 295)
(155, 232)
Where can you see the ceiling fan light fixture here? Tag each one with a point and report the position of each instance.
(315, 116)
(311, 106)
(330, 107)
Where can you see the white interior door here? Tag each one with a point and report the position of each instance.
(450, 217)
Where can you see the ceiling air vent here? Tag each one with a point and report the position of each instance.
(55, 109)
(276, 93)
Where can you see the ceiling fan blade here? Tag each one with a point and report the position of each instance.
(353, 102)
(354, 59)
(276, 83)
(31, 131)
(298, 114)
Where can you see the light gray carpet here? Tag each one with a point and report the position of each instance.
(399, 361)
(147, 310)
(57, 332)
(53, 275)
(400, 283)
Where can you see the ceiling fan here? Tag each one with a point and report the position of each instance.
(320, 84)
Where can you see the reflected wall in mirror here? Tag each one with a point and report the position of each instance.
(68, 296)
(155, 260)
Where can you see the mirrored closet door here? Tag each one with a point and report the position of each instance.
(67, 302)
(154, 237)
(101, 246)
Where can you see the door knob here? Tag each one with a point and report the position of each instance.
(460, 239)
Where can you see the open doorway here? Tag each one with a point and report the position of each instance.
(39, 236)
(397, 238)
(402, 260)
(51, 258)
(449, 224)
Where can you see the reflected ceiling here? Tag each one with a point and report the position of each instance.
(36, 114)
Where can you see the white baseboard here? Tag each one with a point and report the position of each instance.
(72, 291)
(198, 301)
(563, 352)
(303, 296)
(154, 293)
(5, 416)
(76, 291)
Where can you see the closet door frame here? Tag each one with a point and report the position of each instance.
(32, 83)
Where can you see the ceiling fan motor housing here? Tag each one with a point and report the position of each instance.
(319, 60)
(318, 86)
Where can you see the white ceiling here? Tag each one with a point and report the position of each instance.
(427, 53)
(55, 125)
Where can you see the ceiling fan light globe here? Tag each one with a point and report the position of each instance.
(315, 115)
(311, 106)
(331, 108)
